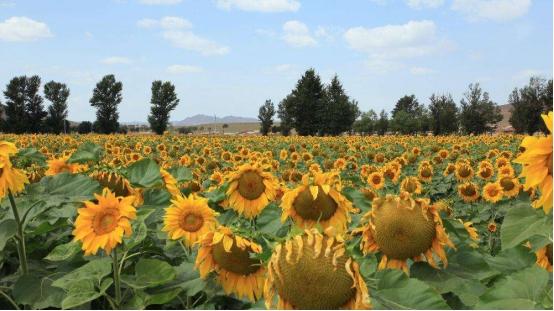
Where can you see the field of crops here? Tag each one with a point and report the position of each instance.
(208, 222)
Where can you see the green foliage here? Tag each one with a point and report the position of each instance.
(366, 124)
(479, 114)
(382, 125)
(163, 101)
(106, 96)
(57, 93)
(528, 103)
(149, 273)
(307, 103)
(86, 152)
(144, 173)
(523, 223)
(24, 109)
(338, 112)
(444, 114)
(265, 115)
(84, 127)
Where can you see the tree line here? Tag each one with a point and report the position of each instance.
(24, 111)
(315, 109)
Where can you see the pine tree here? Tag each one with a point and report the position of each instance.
(164, 100)
(57, 93)
(308, 103)
(444, 114)
(338, 111)
(16, 116)
(265, 115)
(528, 103)
(479, 114)
(407, 103)
(105, 98)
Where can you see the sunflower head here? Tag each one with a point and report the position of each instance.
(492, 192)
(402, 228)
(229, 255)
(469, 192)
(102, 225)
(313, 271)
(250, 190)
(317, 200)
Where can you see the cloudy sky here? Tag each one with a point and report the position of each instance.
(227, 56)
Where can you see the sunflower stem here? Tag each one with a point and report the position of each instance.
(10, 300)
(21, 249)
(117, 281)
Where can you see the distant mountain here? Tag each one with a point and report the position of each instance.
(205, 119)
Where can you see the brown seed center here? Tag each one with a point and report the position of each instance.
(251, 185)
(322, 208)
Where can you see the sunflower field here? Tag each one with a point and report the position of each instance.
(228, 222)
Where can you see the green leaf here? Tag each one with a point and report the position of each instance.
(181, 173)
(358, 199)
(95, 270)
(139, 234)
(30, 155)
(38, 293)
(63, 188)
(150, 273)
(269, 221)
(8, 228)
(86, 152)
(193, 287)
(396, 291)
(523, 223)
(526, 288)
(64, 251)
(511, 259)
(144, 173)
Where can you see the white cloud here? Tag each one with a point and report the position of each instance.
(167, 22)
(495, 10)
(421, 71)
(424, 4)
(415, 38)
(382, 66)
(116, 60)
(189, 41)
(267, 6)
(160, 2)
(183, 69)
(524, 75)
(178, 32)
(20, 29)
(297, 34)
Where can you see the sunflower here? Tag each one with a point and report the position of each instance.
(170, 183)
(425, 172)
(537, 165)
(469, 192)
(411, 184)
(492, 192)
(376, 180)
(317, 201)
(228, 255)
(402, 228)
(485, 172)
(11, 179)
(250, 190)
(450, 168)
(118, 184)
(102, 224)
(544, 257)
(189, 218)
(510, 186)
(313, 271)
(60, 165)
(464, 172)
(473, 234)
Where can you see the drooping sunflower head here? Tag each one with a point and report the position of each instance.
(402, 228)
(117, 183)
(450, 168)
(544, 257)
(425, 172)
(229, 255)
(317, 201)
(189, 218)
(469, 192)
(510, 186)
(102, 225)
(313, 271)
(11, 179)
(411, 185)
(485, 172)
(464, 172)
(250, 190)
(60, 165)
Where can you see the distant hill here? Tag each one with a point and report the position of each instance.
(201, 119)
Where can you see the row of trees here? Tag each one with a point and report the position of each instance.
(24, 110)
(312, 108)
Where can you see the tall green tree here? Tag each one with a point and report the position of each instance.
(444, 114)
(106, 97)
(308, 101)
(265, 115)
(57, 93)
(366, 124)
(16, 114)
(338, 111)
(407, 103)
(163, 101)
(479, 114)
(34, 105)
(528, 103)
(382, 125)
(285, 112)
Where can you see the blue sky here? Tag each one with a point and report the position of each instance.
(227, 56)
